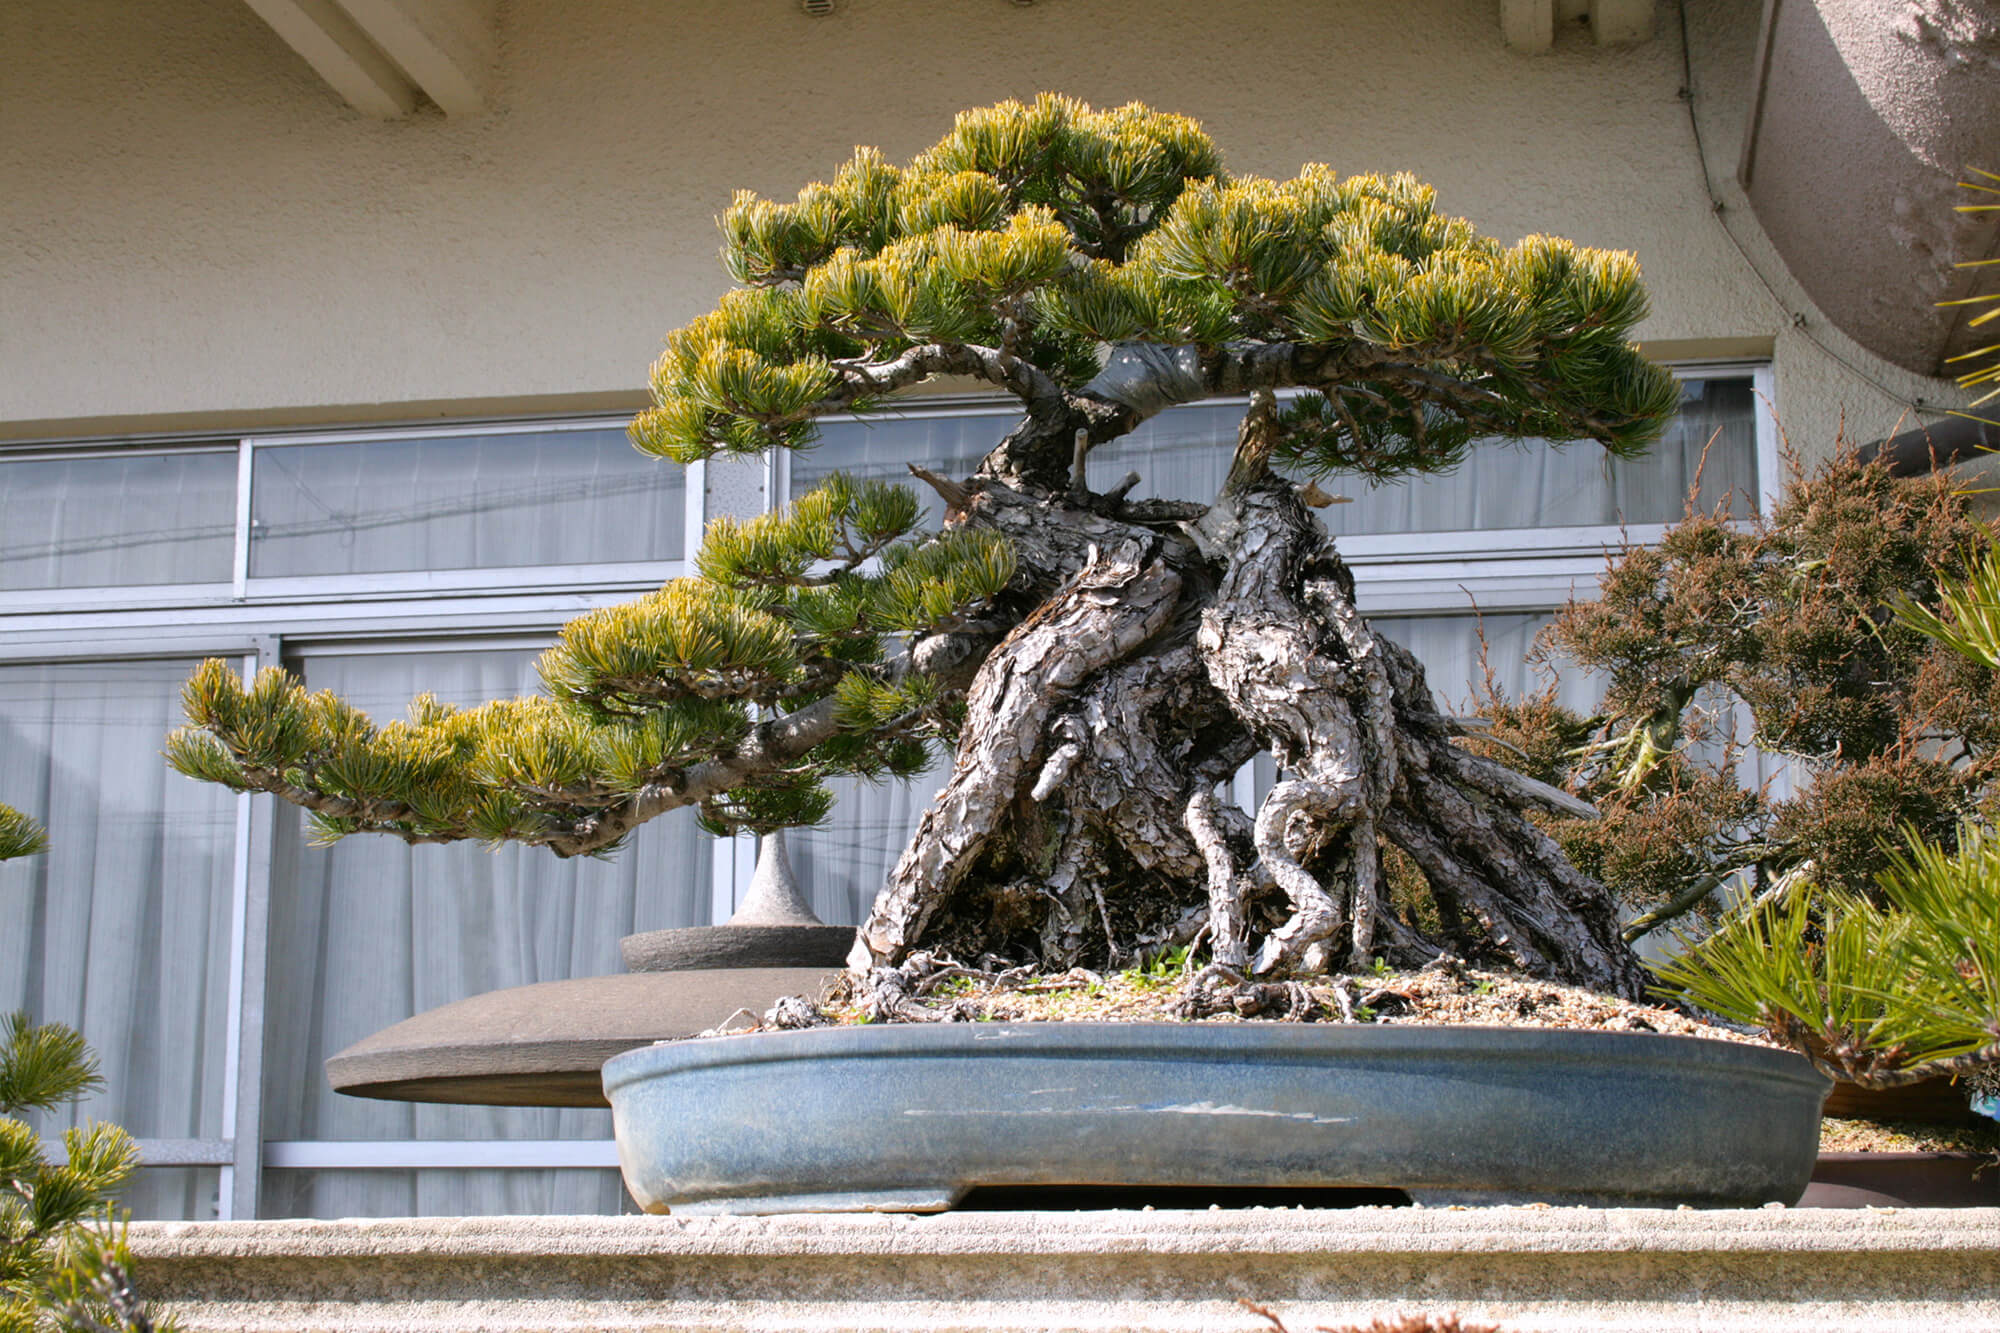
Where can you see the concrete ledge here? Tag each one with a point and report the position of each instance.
(1532, 1270)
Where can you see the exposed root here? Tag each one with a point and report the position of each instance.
(1117, 602)
(795, 1011)
(1316, 914)
(1228, 930)
(1217, 990)
(895, 994)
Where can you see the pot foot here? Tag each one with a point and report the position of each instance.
(936, 1199)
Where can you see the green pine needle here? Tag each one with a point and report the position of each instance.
(20, 835)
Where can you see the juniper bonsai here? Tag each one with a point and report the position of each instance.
(1896, 986)
(1818, 622)
(1101, 664)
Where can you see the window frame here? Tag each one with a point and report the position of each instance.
(232, 1151)
(1428, 573)
(258, 622)
(244, 589)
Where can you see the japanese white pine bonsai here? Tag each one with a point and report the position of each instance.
(1102, 665)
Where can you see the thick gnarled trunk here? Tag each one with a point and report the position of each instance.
(1087, 818)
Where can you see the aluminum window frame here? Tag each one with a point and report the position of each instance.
(236, 1153)
(245, 588)
(257, 622)
(346, 587)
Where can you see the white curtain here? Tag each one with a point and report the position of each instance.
(369, 931)
(121, 930)
(572, 497)
(842, 867)
(130, 518)
(1533, 484)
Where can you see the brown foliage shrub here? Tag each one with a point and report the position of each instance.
(1789, 619)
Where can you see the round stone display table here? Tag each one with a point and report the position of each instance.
(543, 1045)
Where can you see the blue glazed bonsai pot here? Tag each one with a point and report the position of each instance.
(911, 1117)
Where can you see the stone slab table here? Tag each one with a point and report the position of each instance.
(1528, 1269)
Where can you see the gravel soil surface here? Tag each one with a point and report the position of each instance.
(1905, 1136)
(1461, 995)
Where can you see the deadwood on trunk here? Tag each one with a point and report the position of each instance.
(1088, 817)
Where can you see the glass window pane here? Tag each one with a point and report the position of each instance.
(882, 448)
(1530, 484)
(1184, 454)
(1181, 454)
(173, 1193)
(842, 866)
(1449, 647)
(140, 518)
(122, 928)
(443, 1192)
(569, 497)
(370, 931)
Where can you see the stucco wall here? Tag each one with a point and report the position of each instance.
(194, 230)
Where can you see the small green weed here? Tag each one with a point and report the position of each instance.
(1162, 969)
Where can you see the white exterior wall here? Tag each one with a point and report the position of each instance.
(196, 232)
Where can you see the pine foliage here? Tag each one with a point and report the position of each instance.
(1982, 375)
(1049, 230)
(1025, 248)
(19, 835)
(787, 610)
(63, 1262)
(1874, 991)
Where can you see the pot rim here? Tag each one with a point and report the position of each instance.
(1281, 1042)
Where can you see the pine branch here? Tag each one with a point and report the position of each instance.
(20, 835)
(862, 379)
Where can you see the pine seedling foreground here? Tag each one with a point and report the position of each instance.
(1101, 665)
(63, 1263)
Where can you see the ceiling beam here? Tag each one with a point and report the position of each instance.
(447, 47)
(340, 53)
(1621, 22)
(1528, 26)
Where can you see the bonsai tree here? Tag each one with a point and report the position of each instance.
(1901, 986)
(1792, 620)
(1100, 664)
(63, 1265)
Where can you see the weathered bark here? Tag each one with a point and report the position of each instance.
(1115, 603)
(1082, 822)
